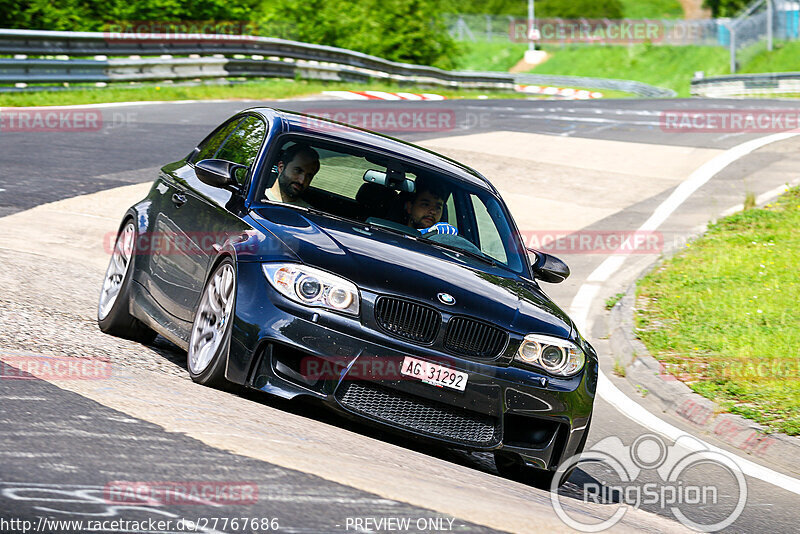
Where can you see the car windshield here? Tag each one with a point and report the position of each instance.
(392, 195)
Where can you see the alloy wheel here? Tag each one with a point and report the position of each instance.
(117, 269)
(211, 319)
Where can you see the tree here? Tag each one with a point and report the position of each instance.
(400, 30)
(725, 8)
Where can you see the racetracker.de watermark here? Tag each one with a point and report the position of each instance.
(390, 119)
(587, 31)
(685, 479)
(180, 492)
(594, 241)
(189, 243)
(50, 120)
(179, 31)
(729, 120)
(727, 368)
(35, 366)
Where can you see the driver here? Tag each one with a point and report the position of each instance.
(296, 168)
(426, 207)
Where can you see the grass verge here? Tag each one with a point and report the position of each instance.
(652, 9)
(489, 55)
(254, 90)
(663, 66)
(784, 58)
(723, 317)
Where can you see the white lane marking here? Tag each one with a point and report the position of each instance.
(638, 414)
(686, 188)
(17, 454)
(581, 303)
(597, 120)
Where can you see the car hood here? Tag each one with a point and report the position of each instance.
(387, 263)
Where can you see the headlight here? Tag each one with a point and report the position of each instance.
(313, 287)
(554, 355)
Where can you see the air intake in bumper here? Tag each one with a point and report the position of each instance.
(420, 415)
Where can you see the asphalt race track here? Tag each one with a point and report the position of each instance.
(561, 166)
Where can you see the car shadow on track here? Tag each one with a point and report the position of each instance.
(308, 408)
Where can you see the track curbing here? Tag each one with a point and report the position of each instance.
(677, 399)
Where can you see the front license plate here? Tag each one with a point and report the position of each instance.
(433, 374)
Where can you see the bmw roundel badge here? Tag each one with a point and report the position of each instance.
(446, 298)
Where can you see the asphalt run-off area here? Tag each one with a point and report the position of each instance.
(77, 455)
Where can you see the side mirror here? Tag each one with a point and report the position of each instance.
(218, 173)
(548, 268)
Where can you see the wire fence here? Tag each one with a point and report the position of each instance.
(757, 28)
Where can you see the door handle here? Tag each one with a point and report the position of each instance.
(179, 199)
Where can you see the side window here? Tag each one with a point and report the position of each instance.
(242, 146)
(210, 146)
(489, 235)
(340, 173)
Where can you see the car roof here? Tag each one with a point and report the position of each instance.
(298, 123)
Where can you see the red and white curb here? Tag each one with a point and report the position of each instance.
(576, 94)
(381, 95)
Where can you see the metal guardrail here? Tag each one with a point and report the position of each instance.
(737, 85)
(627, 86)
(118, 57)
(92, 44)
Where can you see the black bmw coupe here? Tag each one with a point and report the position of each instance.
(303, 257)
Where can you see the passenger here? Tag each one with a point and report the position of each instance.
(426, 207)
(296, 168)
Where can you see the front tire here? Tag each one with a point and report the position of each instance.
(211, 330)
(113, 309)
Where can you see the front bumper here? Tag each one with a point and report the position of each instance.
(290, 350)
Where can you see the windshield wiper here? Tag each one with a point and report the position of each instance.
(478, 256)
(316, 211)
(388, 228)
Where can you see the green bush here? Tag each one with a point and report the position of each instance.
(576, 9)
(401, 30)
(725, 8)
(96, 15)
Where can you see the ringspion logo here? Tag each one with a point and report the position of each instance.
(684, 479)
